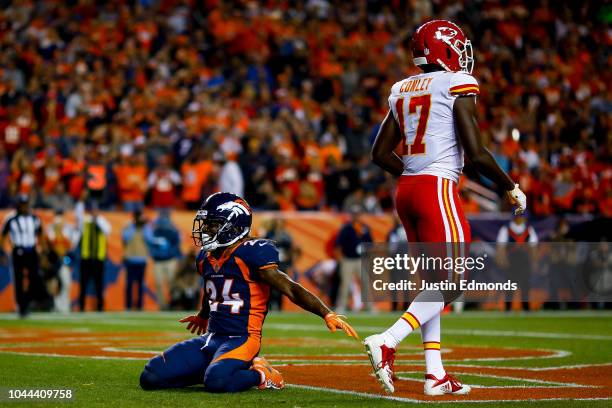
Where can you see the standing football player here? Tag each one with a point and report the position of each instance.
(434, 115)
(238, 273)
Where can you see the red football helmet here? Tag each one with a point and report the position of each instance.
(443, 43)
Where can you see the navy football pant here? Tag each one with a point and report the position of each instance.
(219, 362)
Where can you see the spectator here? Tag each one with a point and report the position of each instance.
(231, 179)
(4, 177)
(286, 101)
(135, 254)
(94, 230)
(516, 258)
(58, 199)
(561, 262)
(287, 254)
(62, 238)
(355, 200)
(163, 240)
(164, 182)
(348, 249)
(195, 172)
(27, 239)
(185, 289)
(131, 175)
(323, 275)
(96, 178)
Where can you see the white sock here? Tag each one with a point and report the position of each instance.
(418, 313)
(430, 334)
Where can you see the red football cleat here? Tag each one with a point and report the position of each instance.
(448, 385)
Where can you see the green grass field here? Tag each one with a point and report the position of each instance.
(310, 356)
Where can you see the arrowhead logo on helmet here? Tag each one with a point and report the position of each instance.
(446, 34)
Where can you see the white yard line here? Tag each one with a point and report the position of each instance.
(353, 393)
(553, 354)
(559, 367)
(417, 401)
(464, 332)
(21, 353)
(553, 384)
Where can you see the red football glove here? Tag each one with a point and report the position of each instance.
(195, 323)
(334, 321)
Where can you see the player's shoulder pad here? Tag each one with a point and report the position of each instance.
(395, 91)
(259, 253)
(396, 86)
(462, 83)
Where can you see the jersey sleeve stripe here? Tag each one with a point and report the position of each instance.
(269, 266)
(465, 89)
(459, 87)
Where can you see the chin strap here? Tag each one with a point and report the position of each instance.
(211, 246)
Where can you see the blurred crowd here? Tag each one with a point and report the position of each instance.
(45, 259)
(159, 102)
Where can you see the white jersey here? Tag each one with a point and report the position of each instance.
(423, 108)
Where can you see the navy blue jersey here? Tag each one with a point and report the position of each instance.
(238, 298)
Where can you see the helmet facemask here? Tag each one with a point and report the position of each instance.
(466, 54)
(210, 233)
(463, 50)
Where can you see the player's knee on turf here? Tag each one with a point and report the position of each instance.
(216, 384)
(150, 378)
(217, 381)
(150, 381)
(221, 376)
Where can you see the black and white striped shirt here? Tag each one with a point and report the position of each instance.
(23, 230)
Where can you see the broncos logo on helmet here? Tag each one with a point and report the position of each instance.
(223, 219)
(235, 207)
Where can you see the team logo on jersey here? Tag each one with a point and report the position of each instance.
(446, 34)
(235, 207)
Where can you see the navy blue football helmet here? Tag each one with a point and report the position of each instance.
(223, 219)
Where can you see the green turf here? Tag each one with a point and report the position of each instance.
(587, 336)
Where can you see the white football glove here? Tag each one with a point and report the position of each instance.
(518, 198)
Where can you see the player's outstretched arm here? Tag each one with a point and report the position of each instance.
(199, 321)
(383, 151)
(305, 299)
(464, 111)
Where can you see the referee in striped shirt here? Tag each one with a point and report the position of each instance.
(25, 231)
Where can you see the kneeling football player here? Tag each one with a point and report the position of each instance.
(238, 273)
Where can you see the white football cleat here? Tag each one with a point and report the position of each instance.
(382, 359)
(448, 385)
